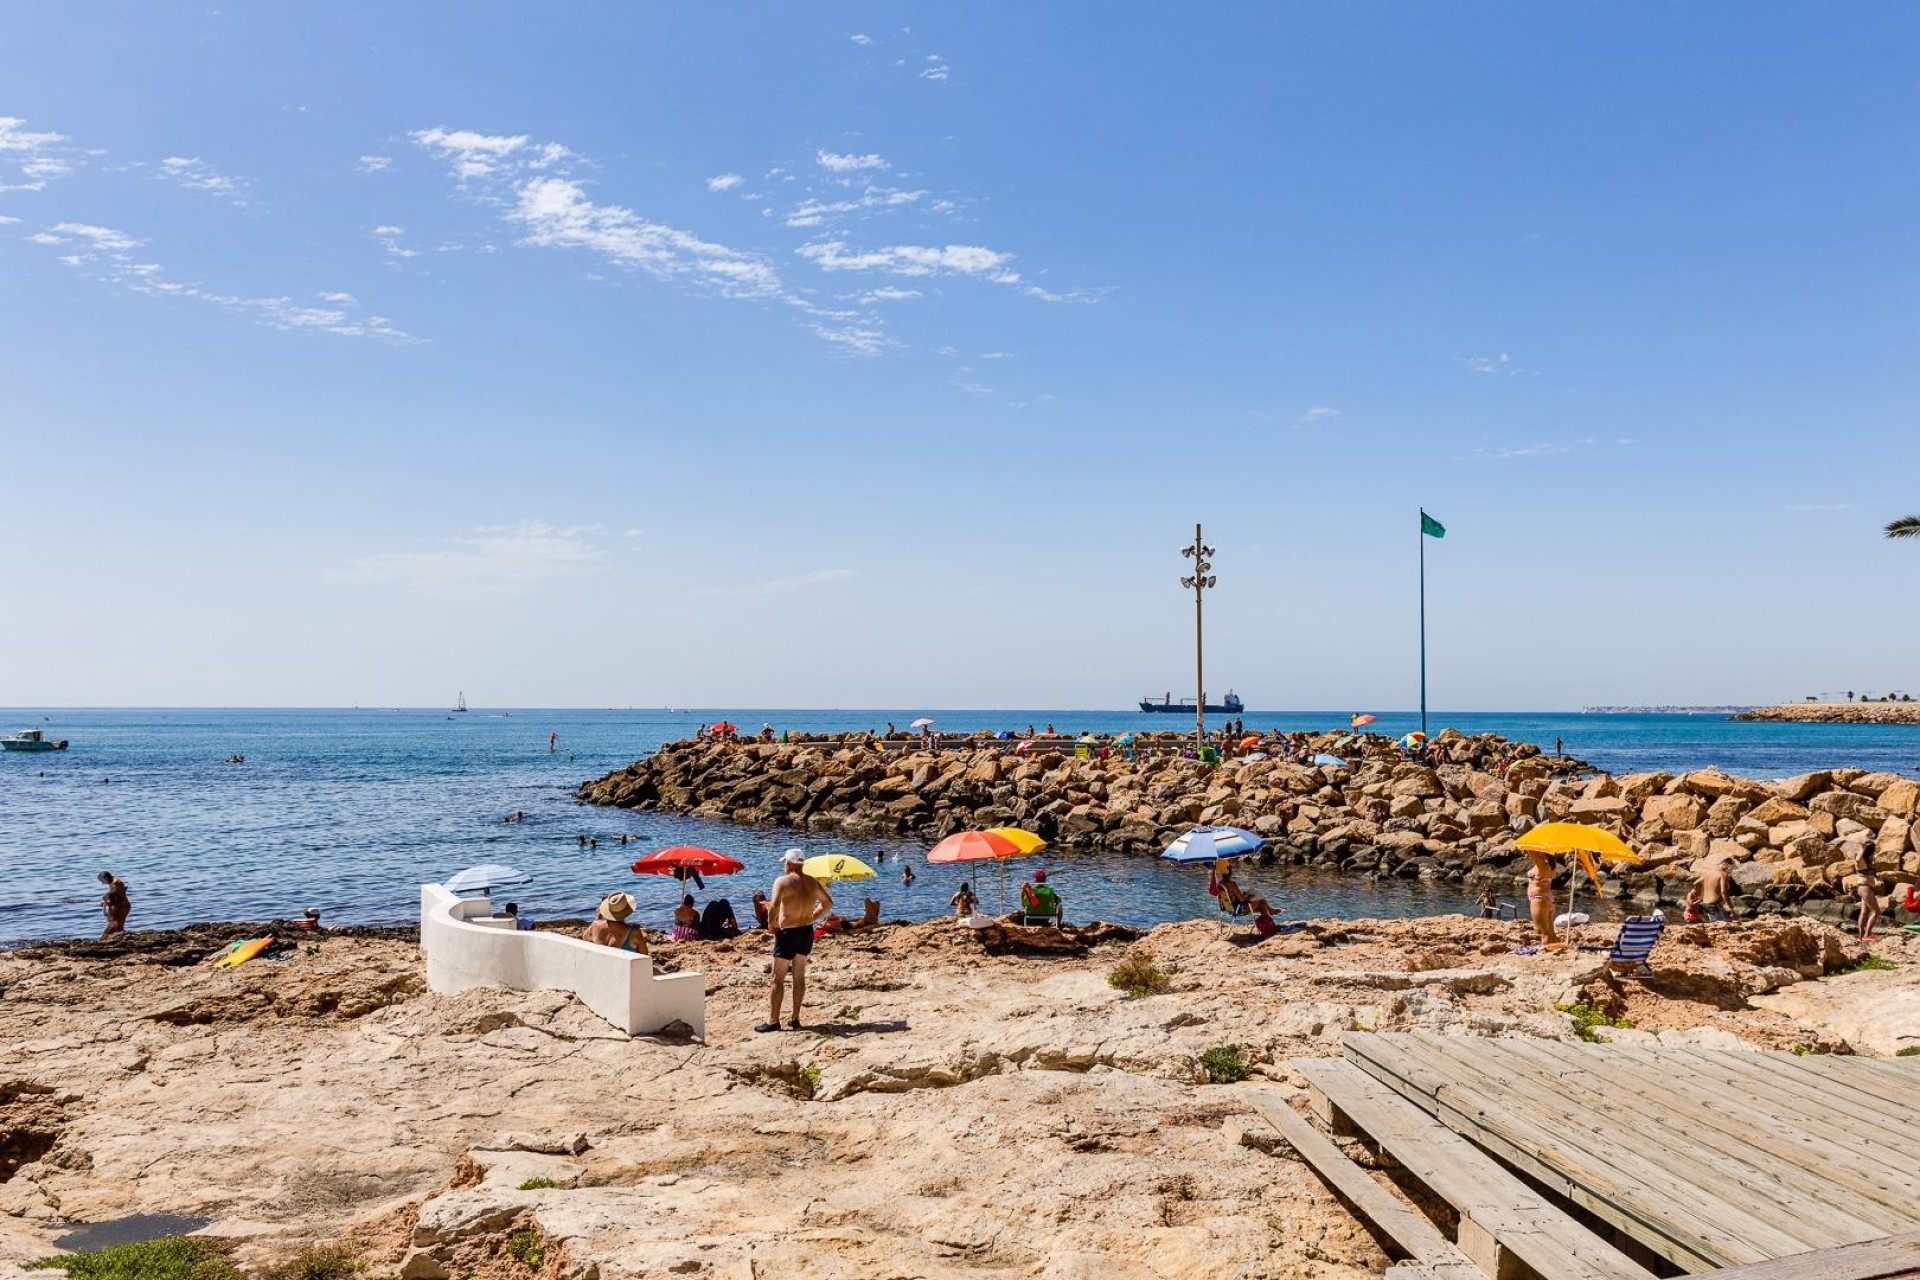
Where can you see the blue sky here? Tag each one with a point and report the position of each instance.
(862, 355)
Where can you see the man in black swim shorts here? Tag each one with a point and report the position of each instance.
(798, 902)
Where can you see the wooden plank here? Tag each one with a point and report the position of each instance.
(1805, 1072)
(1672, 1233)
(1434, 1271)
(1884, 1259)
(1819, 1167)
(1518, 1217)
(1891, 1083)
(1638, 1191)
(1405, 1225)
(1732, 1069)
(1725, 1157)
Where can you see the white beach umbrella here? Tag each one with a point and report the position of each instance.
(485, 877)
(924, 722)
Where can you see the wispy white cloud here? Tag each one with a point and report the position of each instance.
(374, 164)
(345, 299)
(6, 221)
(196, 174)
(778, 586)
(815, 212)
(558, 213)
(29, 159)
(1500, 365)
(388, 238)
(472, 155)
(552, 209)
(1319, 415)
(109, 255)
(861, 37)
(889, 293)
(1539, 449)
(835, 163)
(724, 182)
(491, 556)
(936, 69)
(1813, 507)
(914, 260)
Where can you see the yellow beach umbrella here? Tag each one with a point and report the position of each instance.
(837, 866)
(1576, 837)
(1583, 842)
(1025, 841)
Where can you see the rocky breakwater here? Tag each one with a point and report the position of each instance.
(1793, 844)
(1883, 712)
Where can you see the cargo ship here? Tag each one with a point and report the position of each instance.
(1230, 706)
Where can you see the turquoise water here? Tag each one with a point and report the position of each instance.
(349, 810)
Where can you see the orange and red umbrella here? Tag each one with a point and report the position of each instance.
(980, 846)
(974, 846)
(682, 858)
(1356, 721)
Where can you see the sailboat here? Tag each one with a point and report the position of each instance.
(460, 702)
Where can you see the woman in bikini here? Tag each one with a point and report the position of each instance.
(1540, 897)
(686, 921)
(610, 927)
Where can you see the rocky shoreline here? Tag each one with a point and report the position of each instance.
(950, 1111)
(1837, 713)
(1793, 844)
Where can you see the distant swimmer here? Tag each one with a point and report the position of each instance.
(553, 742)
(906, 875)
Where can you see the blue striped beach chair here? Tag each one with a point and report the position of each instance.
(1638, 934)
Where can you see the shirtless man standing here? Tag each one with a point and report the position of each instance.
(798, 902)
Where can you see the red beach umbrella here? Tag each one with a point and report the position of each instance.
(682, 858)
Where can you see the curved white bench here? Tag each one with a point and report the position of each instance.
(465, 948)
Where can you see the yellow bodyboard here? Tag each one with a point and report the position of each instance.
(243, 953)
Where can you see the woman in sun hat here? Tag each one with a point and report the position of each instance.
(610, 927)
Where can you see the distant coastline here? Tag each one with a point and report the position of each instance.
(1837, 713)
(1735, 712)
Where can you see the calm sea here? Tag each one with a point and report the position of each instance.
(349, 811)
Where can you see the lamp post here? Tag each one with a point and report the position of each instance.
(1199, 581)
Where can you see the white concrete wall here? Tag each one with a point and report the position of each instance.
(463, 952)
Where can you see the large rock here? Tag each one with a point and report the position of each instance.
(1804, 787)
(1597, 810)
(1681, 812)
(1902, 796)
(1776, 810)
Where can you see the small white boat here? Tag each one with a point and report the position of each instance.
(460, 703)
(32, 740)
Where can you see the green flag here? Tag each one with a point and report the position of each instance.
(1431, 527)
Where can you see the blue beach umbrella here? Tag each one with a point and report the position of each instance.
(1204, 844)
(483, 878)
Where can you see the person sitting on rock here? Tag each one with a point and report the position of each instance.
(717, 923)
(686, 921)
(760, 907)
(963, 902)
(610, 927)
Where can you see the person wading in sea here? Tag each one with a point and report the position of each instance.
(797, 904)
(115, 905)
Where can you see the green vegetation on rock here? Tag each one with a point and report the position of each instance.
(170, 1258)
(1137, 976)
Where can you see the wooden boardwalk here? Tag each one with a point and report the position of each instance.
(1693, 1160)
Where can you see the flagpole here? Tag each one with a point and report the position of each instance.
(1422, 535)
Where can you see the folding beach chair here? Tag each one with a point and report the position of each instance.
(1638, 934)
